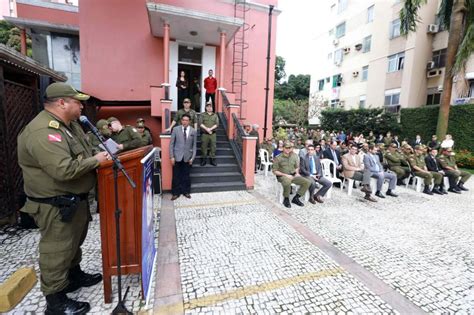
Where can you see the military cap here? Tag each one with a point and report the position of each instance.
(140, 119)
(288, 144)
(101, 123)
(60, 89)
(111, 119)
(209, 103)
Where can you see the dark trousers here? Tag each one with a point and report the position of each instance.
(181, 182)
(212, 97)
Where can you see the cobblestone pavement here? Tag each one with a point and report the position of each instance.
(422, 246)
(34, 303)
(236, 256)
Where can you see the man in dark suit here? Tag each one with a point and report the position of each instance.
(372, 163)
(433, 166)
(182, 154)
(333, 154)
(310, 168)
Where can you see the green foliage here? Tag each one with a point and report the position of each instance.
(465, 159)
(359, 121)
(422, 121)
(280, 134)
(296, 88)
(293, 112)
(11, 37)
(280, 73)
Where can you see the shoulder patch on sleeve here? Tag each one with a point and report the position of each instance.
(53, 124)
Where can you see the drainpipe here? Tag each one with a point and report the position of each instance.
(267, 88)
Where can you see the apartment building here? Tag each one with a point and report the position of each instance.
(363, 61)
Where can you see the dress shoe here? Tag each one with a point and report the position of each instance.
(454, 190)
(203, 162)
(286, 202)
(59, 303)
(318, 198)
(296, 200)
(391, 193)
(311, 200)
(436, 190)
(174, 197)
(443, 191)
(379, 194)
(461, 187)
(187, 196)
(369, 198)
(427, 191)
(366, 189)
(213, 162)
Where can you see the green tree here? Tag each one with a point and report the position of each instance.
(292, 111)
(279, 69)
(11, 37)
(458, 17)
(296, 88)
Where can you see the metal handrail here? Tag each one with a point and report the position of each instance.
(237, 142)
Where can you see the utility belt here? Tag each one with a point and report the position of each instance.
(67, 204)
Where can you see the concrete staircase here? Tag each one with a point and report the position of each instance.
(226, 176)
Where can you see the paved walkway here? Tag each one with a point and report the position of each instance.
(242, 253)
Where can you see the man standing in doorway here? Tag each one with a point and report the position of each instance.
(182, 154)
(210, 84)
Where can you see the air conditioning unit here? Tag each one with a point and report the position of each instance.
(358, 47)
(430, 65)
(433, 73)
(355, 74)
(335, 42)
(433, 29)
(440, 88)
(347, 50)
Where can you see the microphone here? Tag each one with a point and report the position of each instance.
(83, 119)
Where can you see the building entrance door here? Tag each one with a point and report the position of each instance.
(193, 77)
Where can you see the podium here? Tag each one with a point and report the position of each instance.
(131, 203)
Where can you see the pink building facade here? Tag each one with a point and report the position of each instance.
(130, 50)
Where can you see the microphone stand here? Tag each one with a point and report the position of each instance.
(120, 307)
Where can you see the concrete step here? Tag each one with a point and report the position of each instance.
(208, 168)
(217, 177)
(220, 186)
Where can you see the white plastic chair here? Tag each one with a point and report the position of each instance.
(265, 160)
(326, 165)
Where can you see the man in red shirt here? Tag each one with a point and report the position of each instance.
(210, 84)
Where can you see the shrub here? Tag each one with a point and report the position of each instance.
(465, 159)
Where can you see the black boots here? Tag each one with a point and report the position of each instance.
(203, 161)
(286, 202)
(59, 303)
(379, 194)
(427, 190)
(461, 186)
(213, 162)
(436, 190)
(454, 189)
(391, 193)
(296, 200)
(79, 279)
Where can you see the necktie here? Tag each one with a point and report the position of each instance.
(184, 133)
(335, 157)
(311, 165)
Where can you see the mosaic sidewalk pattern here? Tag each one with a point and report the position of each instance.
(237, 257)
(11, 258)
(420, 245)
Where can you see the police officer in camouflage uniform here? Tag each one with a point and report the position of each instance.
(185, 110)
(209, 124)
(286, 168)
(448, 163)
(395, 160)
(103, 126)
(418, 166)
(59, 171)
(127, 137)
(144, 134)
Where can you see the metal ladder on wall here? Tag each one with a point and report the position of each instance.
(239, 65)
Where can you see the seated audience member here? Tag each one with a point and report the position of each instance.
(388, 139)
(395, 140)
(371, 138)
(417, 141)
(354, 169)
(310, 168)
(379, 139)
(268, 146)
(397, 163)
(333, 154)
(318, 151)
(447, 142)
(322, 144)
(279, 149)
(380, 152)
(304, 150)
(418, 167)
(433, 166)
(448, 163)
(372, 163)
(127, 137)
(343, 148)
(434, 143)
(286, 168)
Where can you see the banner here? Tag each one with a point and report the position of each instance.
(148, 223)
